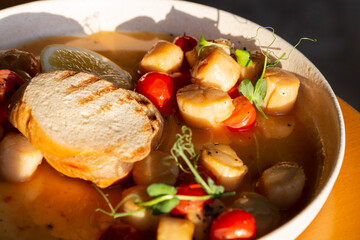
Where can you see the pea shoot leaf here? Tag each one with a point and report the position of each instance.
(256, 95)
(203, 43)
(246, 88)
(216, 190)
(164, 206)
(260, 91)
(243, 57)
(160, 189)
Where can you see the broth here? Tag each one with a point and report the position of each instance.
(52, 206)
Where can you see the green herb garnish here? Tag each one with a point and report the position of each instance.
(181, 149)
(164, 197)
(256, 95)
(243, 57)
(203, 43)
(268, 53)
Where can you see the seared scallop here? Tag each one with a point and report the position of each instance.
(202, 106)
(282, 184)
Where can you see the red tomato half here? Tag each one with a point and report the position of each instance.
(181, 80)
(234, 224)
(9, 83)
(121, 231)
(159, 89)
(186, 42)
(243, 116)
(186, 206)
(234, 91)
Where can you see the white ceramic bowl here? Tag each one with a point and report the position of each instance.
(46, 18)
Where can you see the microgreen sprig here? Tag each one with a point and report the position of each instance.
(165, 197)
(181, 149)
(113, 210)
(203, 43)
(268, 52)
(256, 95)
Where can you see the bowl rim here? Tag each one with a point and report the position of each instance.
(314, 206)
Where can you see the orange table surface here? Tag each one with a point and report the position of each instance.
(340, 216)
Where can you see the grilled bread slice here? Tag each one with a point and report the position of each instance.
(86, 127)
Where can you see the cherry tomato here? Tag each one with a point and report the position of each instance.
(181, 80)
(243, 116)
(234, 224)
(159, 89)
(9, 83)
(186, 42)
(121, 231)
(186, 206)
(234, 91)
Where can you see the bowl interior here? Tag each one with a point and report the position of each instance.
(52, 18)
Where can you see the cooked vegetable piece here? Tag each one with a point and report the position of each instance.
(9, 83)
(223, 162)
(282, 184)
(203, 106)
(253, 70)
(186, 42)
(157, 167)
(121, 231)
(159, 89)
(23, 63)
(233, 224)
(162, 57)
(267, 216)
(143, 220)
(282, 91)
(243, 117)
(218, 70)
(171, 228)
(18, 158)
(276, 126)
(186, 206)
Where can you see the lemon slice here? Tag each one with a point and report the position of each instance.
(62, 57)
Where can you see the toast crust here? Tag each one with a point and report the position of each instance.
(103, 163)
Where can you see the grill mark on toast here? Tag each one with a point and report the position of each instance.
(143, 102)
(82, 84)
(98, 94)
(105, 108)
(139, 110)
(64, 75)
(128, 98)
